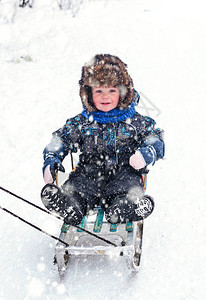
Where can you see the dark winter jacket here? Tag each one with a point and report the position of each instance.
(110, 143)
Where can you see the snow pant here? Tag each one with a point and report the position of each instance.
(92, 185)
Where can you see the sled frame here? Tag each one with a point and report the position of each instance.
(128, 239)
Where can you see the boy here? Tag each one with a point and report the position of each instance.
(116, 144)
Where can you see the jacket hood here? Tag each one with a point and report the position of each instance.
(105, 70)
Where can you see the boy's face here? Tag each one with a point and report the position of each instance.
(105, 98)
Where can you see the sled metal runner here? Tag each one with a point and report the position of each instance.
(126, 237)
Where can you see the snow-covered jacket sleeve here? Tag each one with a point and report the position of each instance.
(152, 143)
(64, 140)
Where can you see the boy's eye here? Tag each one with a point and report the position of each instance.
(98, 91)
(112, 91)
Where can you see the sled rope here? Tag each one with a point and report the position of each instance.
(28, 202)
(34, 226)
(46, 211)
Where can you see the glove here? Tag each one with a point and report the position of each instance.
(51, 165)
(137, 161)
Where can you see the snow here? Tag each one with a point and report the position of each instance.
(42, 51)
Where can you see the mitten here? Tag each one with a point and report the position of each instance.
(137, 161)
(51, 165)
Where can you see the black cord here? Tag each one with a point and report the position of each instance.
(34, 226)
(28, 202)
(46, 211)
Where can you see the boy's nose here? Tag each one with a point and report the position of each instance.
(105, 95)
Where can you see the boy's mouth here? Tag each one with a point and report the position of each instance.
(106, 103)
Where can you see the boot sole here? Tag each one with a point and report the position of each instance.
(145, 207)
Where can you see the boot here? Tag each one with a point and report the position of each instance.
(120, 210)
(123, 210)
(143, 208)
(70, 207)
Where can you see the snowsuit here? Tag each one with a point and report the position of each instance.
(106, 141)
(103, 173)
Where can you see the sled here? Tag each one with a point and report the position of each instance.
(126, 237)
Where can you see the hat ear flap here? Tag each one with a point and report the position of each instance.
(90, 97)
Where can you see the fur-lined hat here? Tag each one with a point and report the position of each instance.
(105, 70)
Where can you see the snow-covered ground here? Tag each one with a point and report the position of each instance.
(41, 55)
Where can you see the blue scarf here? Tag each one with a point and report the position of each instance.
(112, 116)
